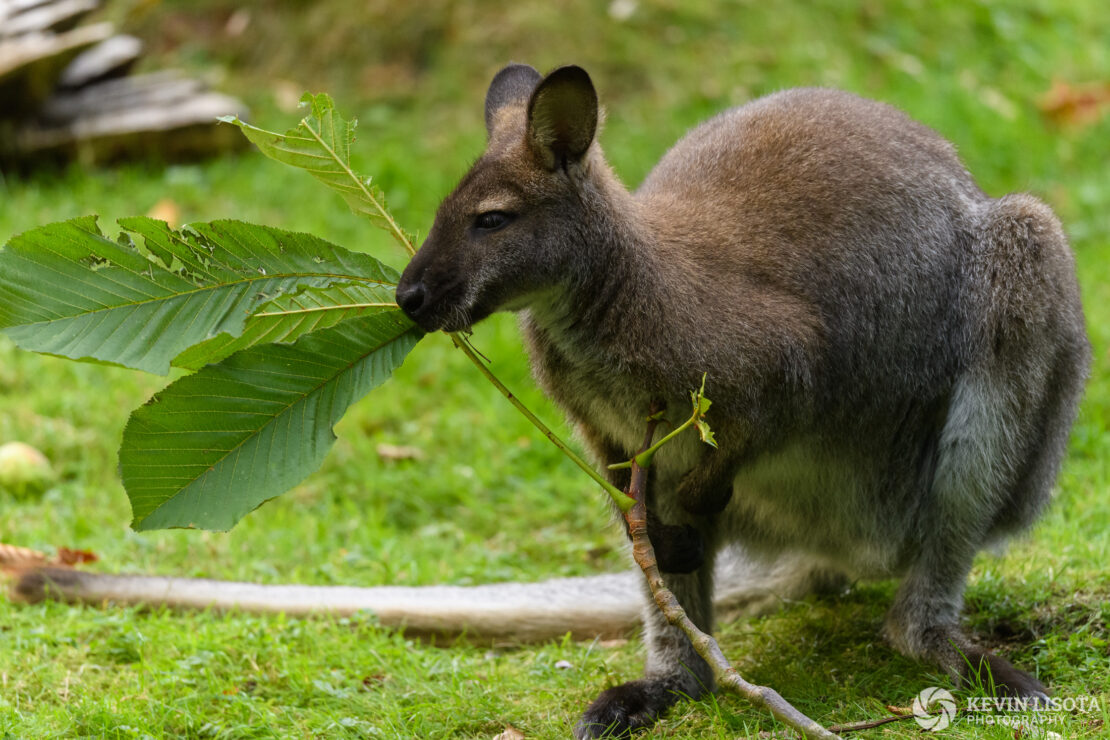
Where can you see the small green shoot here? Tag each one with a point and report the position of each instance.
(700, 405)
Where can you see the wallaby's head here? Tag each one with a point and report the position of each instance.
(507, 231)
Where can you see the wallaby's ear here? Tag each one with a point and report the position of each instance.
(562, 116)
(512, 85)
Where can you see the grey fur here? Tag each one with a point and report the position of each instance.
(587, 607)
(894, 358)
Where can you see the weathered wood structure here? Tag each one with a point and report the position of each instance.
(67, 92)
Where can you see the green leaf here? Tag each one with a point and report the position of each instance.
(143, 300)
(701, 405)
(293, 315)
(705, 433)
(214, 446)
(321, 145)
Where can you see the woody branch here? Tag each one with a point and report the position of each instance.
(707, 647)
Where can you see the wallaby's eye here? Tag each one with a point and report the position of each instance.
(492, 220)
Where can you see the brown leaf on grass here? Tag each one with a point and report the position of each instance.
(510, 733)
(1066, 104)
(14, 558)
(69, 556)
(373, 681)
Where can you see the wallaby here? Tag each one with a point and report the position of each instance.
(894, 358)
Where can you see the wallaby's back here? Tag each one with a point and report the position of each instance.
(839, 202)
(869, 227)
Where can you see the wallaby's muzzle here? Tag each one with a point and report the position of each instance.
(431, 293)
(410, 297)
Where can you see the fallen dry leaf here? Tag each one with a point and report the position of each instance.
(20, 558)
(510, 733)
(237, 22)
(373, 681)
(1075, 105)
(69, 556)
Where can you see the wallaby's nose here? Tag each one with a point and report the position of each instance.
(410, 297)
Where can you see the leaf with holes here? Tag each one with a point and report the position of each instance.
(214, 446)
(321, 145)
(143, 300)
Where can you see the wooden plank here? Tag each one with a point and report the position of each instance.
(10, 8)
(28, 48)
(165, 87)
(59, 15)
(112, 57)
(64, 93)
(30, 65)
(187, 128)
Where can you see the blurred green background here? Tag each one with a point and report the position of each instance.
(1016, 86)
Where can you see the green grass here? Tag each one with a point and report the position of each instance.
(493, 501)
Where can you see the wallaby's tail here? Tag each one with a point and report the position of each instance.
(588, 607)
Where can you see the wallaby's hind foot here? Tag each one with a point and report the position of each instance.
(945, 645)
(674, 671)
(980, 667)
(636, 705)
(973, 667)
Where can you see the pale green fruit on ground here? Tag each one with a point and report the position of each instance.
(24, 471)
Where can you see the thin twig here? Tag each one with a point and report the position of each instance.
(619, 497)
(704, 644)
(869, 724)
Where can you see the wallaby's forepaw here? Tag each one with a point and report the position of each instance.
(619, 711)
(999, 677)
(678, 548)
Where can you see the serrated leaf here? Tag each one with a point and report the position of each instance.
(139, 302)
(705, 433)
(290, 316)
(321, 145)
(214, 446)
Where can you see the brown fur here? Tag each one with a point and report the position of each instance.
(894, 358)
